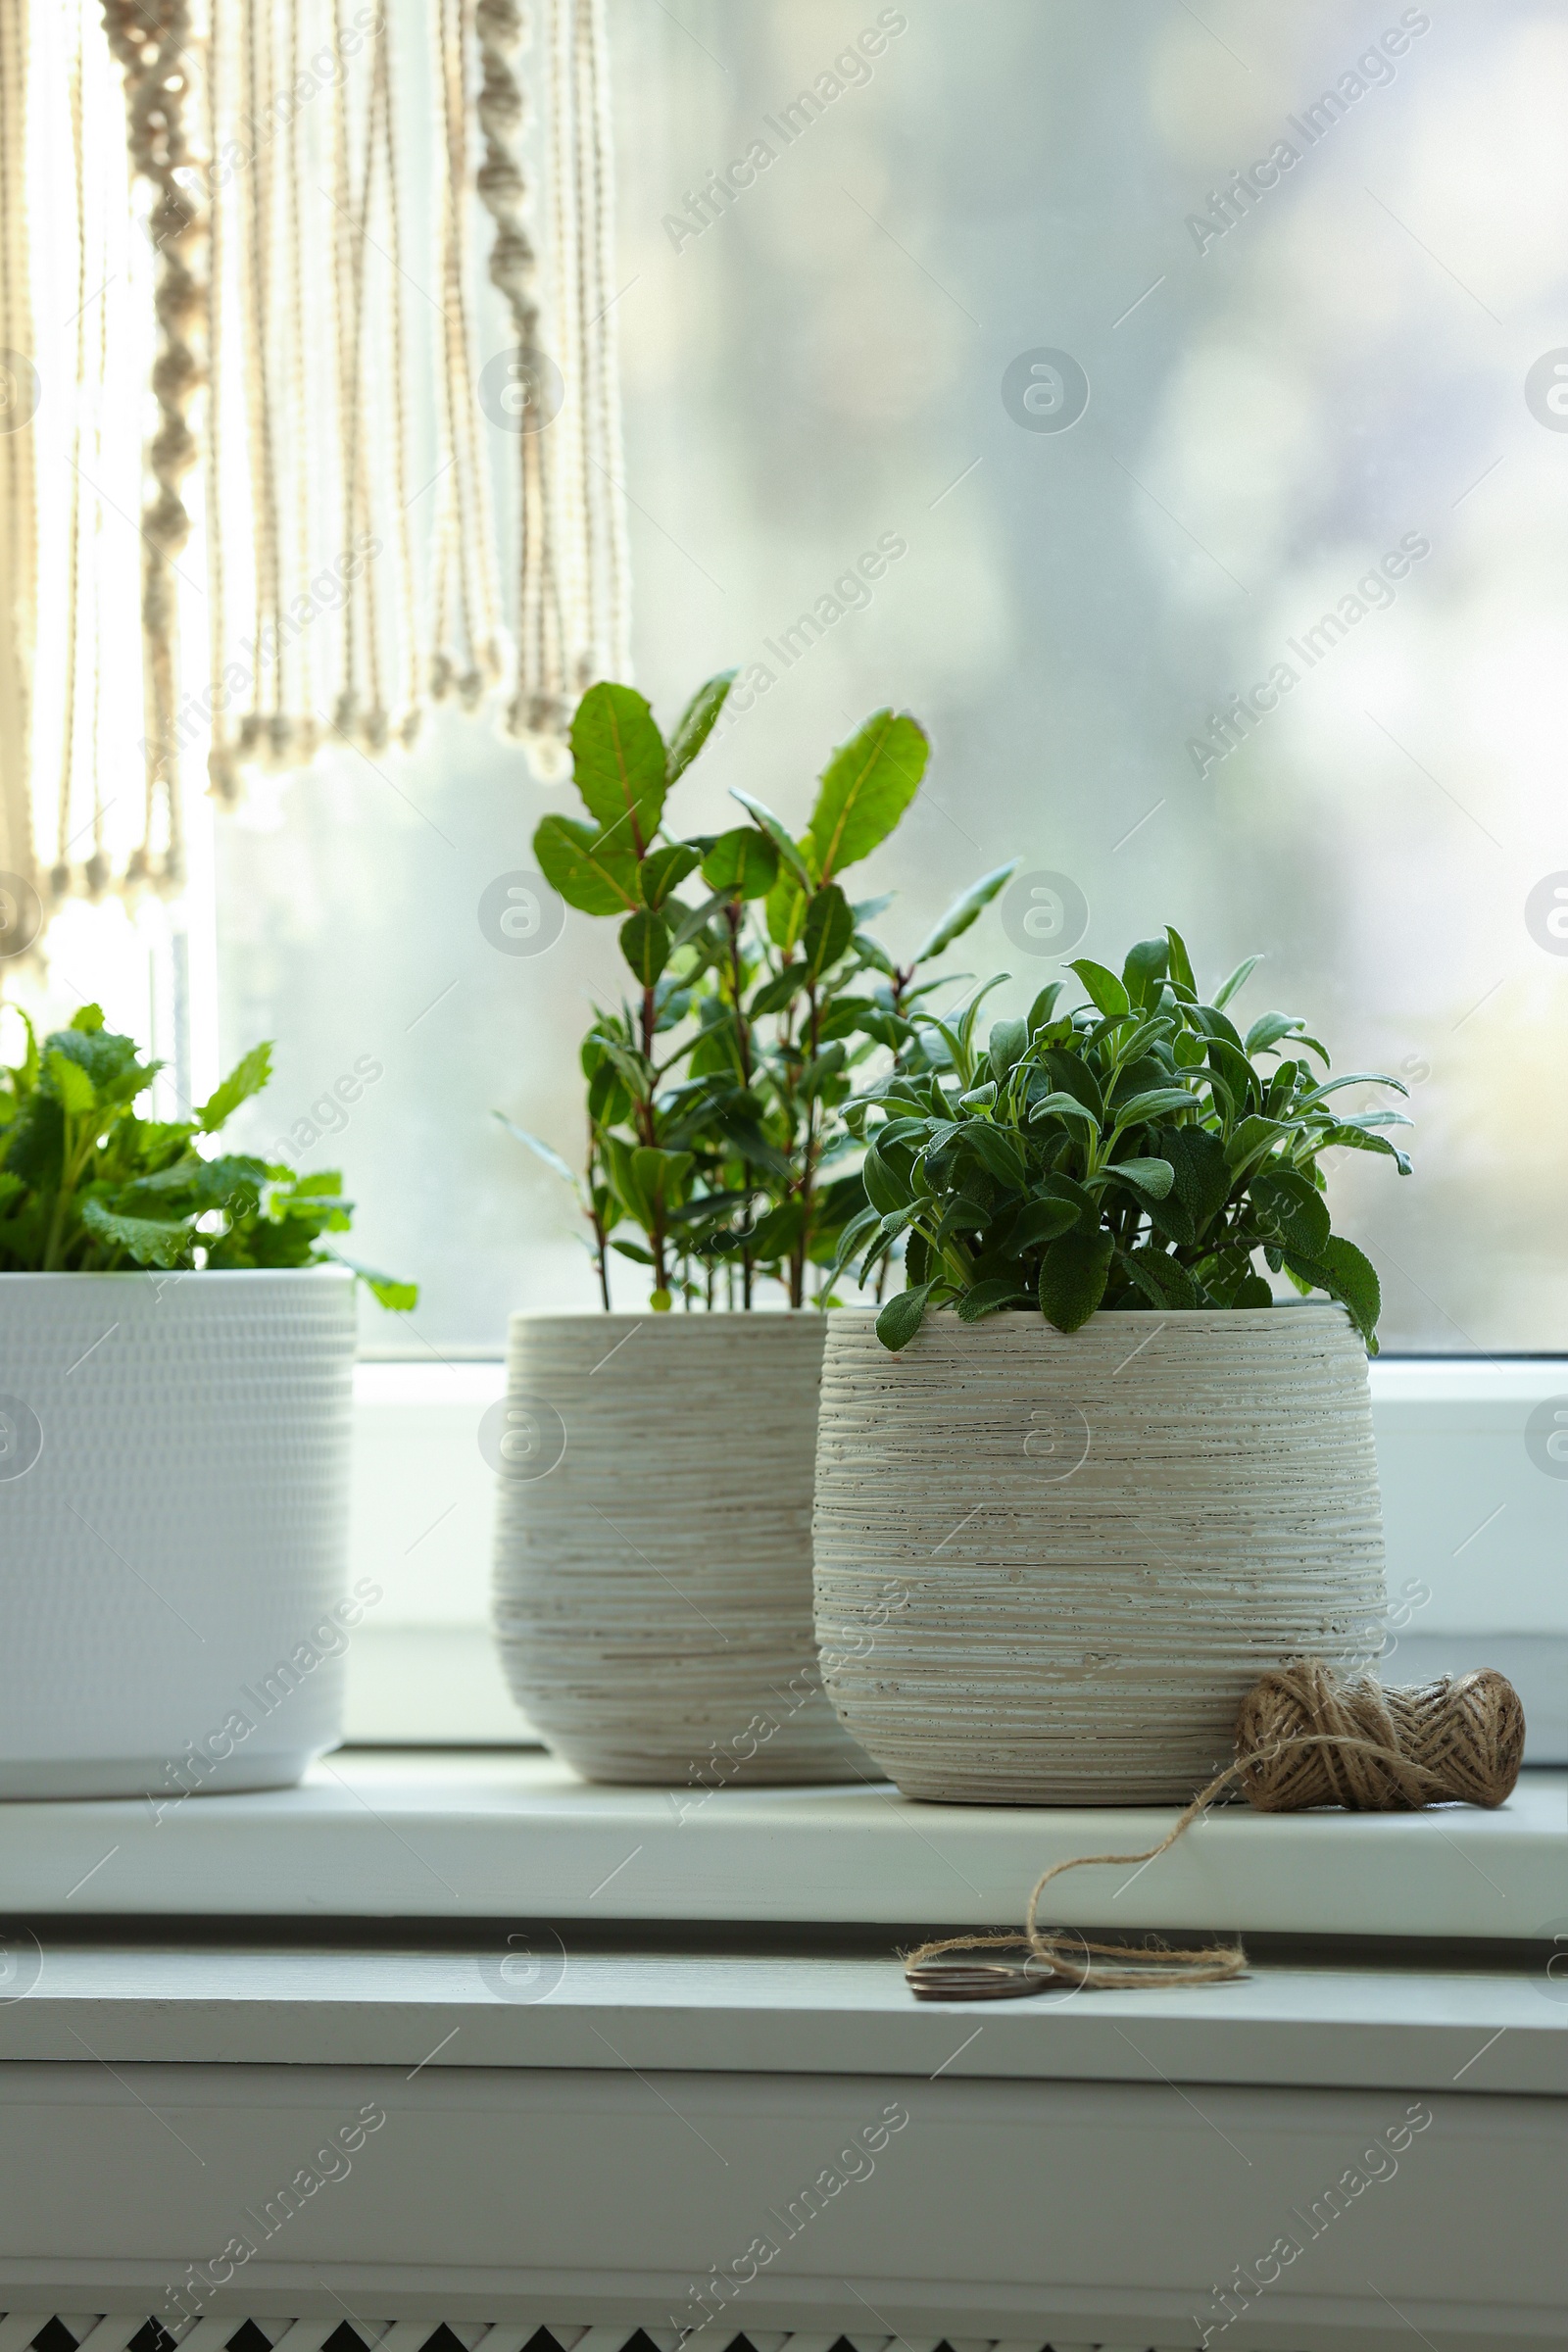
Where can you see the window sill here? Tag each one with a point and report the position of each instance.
(468, 1835)
(635, 2004)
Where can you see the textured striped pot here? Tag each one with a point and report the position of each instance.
(174, 1529)
(653, 1576)
(1048, 1566)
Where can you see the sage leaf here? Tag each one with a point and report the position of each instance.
(1041, 1221)
(1164, 1280)
(1152, 1176)
(1104, 987)
(995, 1148)
(1157, 1104)
(1073, 1274)
(1268, 1029)
(1180, 966)
(1009, 1043)
(884, 1188)
(1144, 970)
(1238, 979)
(963, 911)
(987, 1297)
(902, 1317)
(1349, 1276)
(1202, 1177)
(1039, 1011)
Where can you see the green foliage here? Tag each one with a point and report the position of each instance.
(592, 871)
(1136, 1153)
(620, 766)
(866, 786)
(87, 1186)
(718, 1150)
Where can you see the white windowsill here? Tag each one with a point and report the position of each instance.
(709, 2011)
(509, 1836)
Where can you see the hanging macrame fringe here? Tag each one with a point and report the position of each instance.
(379, 474)
(344, 630)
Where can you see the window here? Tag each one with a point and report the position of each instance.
(1194, 381)
(1262, 642)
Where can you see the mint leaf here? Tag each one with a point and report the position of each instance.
(248, 1077)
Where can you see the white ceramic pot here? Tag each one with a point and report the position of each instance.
(174, 1523)
(653, 1576)
(1048, 1566)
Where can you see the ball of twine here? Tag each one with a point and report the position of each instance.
(1304, 1737)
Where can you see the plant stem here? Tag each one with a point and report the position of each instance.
(809, 1166)
(742, 1043)
(73, 1159)
(647, 1121)
(597, 1222)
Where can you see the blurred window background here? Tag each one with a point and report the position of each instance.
(1200, 376)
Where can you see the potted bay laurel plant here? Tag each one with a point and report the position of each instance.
(177, 1339)
(653, 1584)
(1107, 1476)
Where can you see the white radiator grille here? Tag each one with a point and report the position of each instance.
(132, 2331)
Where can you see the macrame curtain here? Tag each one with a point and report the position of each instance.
(308, 400)
(76, 344)
(355, 572)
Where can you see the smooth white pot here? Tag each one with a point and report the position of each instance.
(174, 1523)
(652, 1577)
(1048, 1566)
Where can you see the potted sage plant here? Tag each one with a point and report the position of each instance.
(1114, 1477)
(177, 1340)
(653, 1562)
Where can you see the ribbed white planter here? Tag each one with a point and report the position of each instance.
(174, 1521)
(1048, 1566)
(653, 1576)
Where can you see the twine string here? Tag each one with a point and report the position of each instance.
(1460, 1741)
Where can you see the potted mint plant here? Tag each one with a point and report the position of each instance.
(653, 1564)
(1110, 1474)
(177, 1340)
